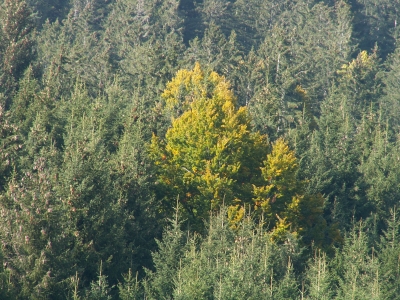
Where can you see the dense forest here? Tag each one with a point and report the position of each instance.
(199, 149)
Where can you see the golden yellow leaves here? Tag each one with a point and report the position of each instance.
(282, 199)
(209, 150)
(281, 163)
(235, 215)
(279, 173)
(189, 85)
(210, 157)
(281, 229)
(363, 63)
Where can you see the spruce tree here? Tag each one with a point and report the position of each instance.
(221, 54)
(161, 282)
(286, 83)
(389, 257)
(319, 283)
(51, 10)
(17, 45)
(356, 268)
(95, 220)
(226, 263)
(389, 101)
(375, 23)
(32, 234)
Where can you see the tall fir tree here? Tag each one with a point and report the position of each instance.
(17, 45)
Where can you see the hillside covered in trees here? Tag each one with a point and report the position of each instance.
(199, 149)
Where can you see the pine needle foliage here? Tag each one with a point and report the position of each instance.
(230, 264)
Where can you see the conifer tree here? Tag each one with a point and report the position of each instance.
(78, 48)
(389, 257)
(318, 278)
(160, 284)
(11, 144)
(53, 49)
(130, 288)
(34, 104)
(254, 19)
(216, 12)
(356, 268)
(147, 42)
(32, 235)
(133, 180)
(17, 45)
(389, 102)
(221, 54)
(227, 263)
(22, 111)
(99, 289)
(378, 165)
(329, 161)
(95, 218)
(375, 23)
(50, 9)
(282, 72)
(335, 151)
(359, 82)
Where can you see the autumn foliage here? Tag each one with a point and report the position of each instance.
(211, 157)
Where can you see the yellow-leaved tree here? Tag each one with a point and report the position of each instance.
(286, 206)
(210, 157)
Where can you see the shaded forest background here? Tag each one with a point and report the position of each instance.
(82, 212)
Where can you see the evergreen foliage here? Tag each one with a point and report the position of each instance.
(228, 264)
(280, 153)
(16, 45)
